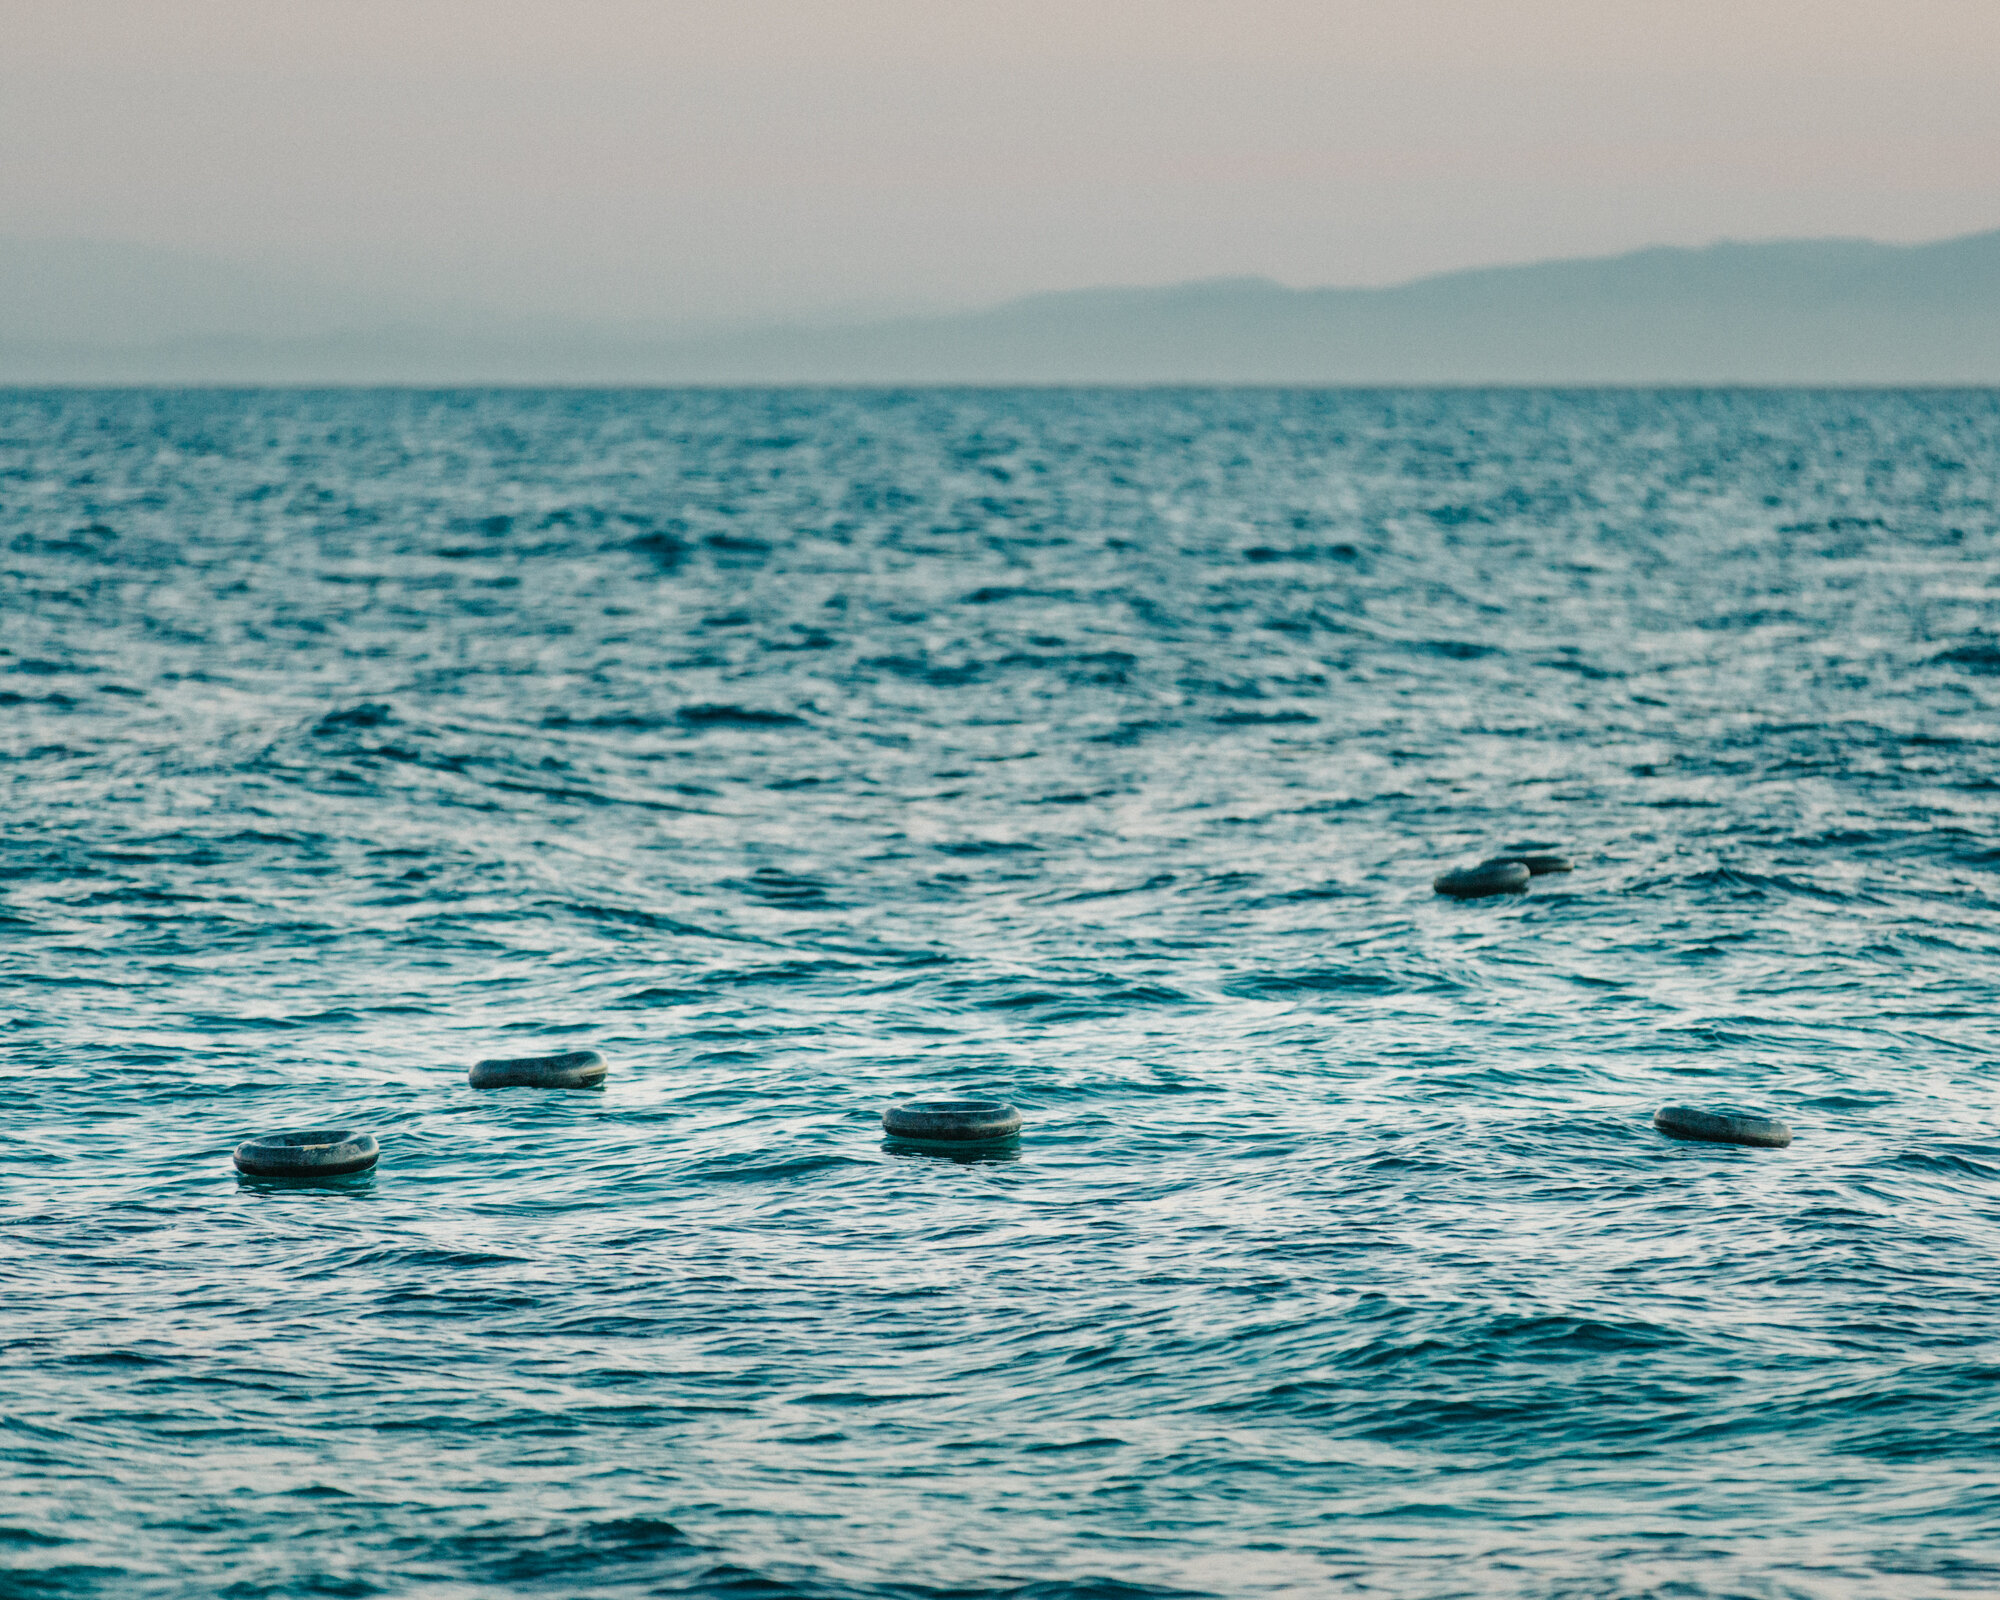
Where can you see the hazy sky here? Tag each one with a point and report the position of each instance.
(649, 158)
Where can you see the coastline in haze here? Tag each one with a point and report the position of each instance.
(1831, 311)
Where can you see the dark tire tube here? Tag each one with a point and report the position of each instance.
(575, 1069)
(1489, 877)
(1721, 1127)
(309, 1153)
(1540, 866)
(953, 1121)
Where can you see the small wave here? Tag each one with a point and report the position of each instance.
(659, 996)
(373, 714)
(778, 887)
(1737, 882)
(1453, 649)
(633, 917)
(667, 550)
(921, 669)
(1263, 719)
(728, 716)
(1978, 1163)
(993, 593)
(1317, 980)
(1981, 657)
(1265, 555)
(619, 1549)
(612, 721)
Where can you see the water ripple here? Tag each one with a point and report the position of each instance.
(805, 750)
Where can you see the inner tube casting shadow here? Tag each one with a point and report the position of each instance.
(307, 1156)
(1722, 1127)
(953, 1125)
(1489, 877)
(577, 1069)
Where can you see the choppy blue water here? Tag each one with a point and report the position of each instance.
(804, 750)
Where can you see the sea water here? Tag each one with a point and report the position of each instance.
(1092, 750)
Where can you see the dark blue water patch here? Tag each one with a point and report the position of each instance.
(1307, 893)
(29, 1539)
(1982, 656)
(67, 1578)
(730, 716)
(1453, 649)
(615, 721)
(801, 637)
(1081, 998)
(1159, 880)
(1978, 1163)
(776, 886)
(944, 675)
(610, 1548)
(1851, 840)
(586, 797)
(629, 917)
(371, 715)
(661, 995)
(1263, 719)
(1456, 516)
(1582, 668)
(1264, 554)
(788, 972)
(1313, 981)
(1737, 883)
(1113, 667)
(1130, 733)
(215, 1022)
(988, 594)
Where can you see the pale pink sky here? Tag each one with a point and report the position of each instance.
(698, 159)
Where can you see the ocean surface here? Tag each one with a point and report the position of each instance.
(802, 751)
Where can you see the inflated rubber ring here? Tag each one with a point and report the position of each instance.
(1722, 1127)
(311, 1153)
(1489, 877)
(1538, 865)
(953, 1121)
(575, 1069)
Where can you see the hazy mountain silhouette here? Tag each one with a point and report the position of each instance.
(1809, 311)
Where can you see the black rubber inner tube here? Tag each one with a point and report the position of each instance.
(1722, 1127)
(308, 1153)
(574, 1069)
(1539, 865)
(1489, 877)
(943, 1121)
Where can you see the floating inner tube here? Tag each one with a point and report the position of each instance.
(1489, 877)
(1721, 1127)
(953, 1121)
(310, 1153)
(575, 1069)
(1539, 864)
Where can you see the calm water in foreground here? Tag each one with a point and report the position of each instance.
(1093, 749)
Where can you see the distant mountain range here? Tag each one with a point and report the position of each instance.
(1835, 311)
